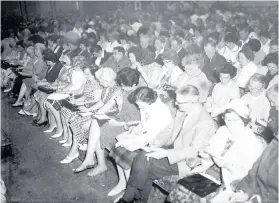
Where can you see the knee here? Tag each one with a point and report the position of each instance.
(140, 162)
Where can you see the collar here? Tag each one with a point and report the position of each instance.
(179, 49)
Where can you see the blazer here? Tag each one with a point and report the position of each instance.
(262, 179)
(192, 133)
(212, 67)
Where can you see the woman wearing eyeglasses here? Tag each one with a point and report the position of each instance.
(231, 152)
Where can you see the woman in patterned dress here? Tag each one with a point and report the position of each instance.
(110, 104)
(128, 79)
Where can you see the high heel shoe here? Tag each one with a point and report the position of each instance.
(56, 135)
(69, 159)
(50, 129)
(40, 124)
(85, 168)
(62, 141)
(66, 144)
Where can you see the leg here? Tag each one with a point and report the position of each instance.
(73, 154)
(143, 174)
(102, 165)
(56, 119)
(121, 185)
(43, 113)
(23, 89)
(65, 129)
(93, 138)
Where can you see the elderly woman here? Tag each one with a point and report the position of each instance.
(227, 155)
(152, 112)
(224, 91)
(193, 75)
(256, 99)
(247, 66)
(110, 103)
(128, 79)
(51, 75)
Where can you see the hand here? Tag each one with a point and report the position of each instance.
(83, 109)
(219, 161)
(239, 196)
(158, 154)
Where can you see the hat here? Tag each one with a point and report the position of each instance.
(240, 107)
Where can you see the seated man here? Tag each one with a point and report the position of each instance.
(193, 127)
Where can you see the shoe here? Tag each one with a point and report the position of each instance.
(39, 124)
(83, 169)
(50, 130)
(82, 147)
(15, 105)
(66, 144)
(56, 135)
(21, 112)
(69, 159)
(114, 193)
(62, 141)
(123, 201)
(30, 114)
(7, 90)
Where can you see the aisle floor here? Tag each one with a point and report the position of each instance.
(34, 172)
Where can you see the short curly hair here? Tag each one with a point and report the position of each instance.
(144, 94)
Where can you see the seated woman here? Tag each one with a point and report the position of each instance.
(51, 75)
(75, 85)
(256, 99)
(224, 91)
(110, 104)
(170, 70)
(25, 71)
(38, 73)
(152, 112)
(128, 79)
(247, 66)
(149, 72)
(228, 151)
(193, 75)
(271, 62)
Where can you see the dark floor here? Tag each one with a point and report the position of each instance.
(34, 173)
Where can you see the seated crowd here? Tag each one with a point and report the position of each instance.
(172, 94)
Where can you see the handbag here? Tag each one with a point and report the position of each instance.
(46, 90)
(200, 184)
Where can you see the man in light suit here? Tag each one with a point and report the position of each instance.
(192, 130)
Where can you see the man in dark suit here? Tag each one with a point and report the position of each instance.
(176, 45)
(213, 63)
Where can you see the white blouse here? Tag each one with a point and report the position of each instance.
(222, 95)
(245, 73)
(259, 106)
(154, 119)
(243, 153)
